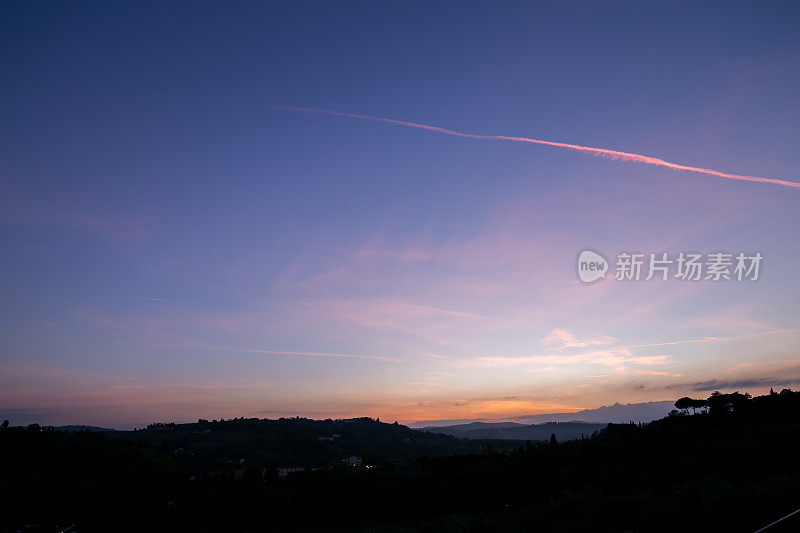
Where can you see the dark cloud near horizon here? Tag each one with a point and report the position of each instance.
(717, 384)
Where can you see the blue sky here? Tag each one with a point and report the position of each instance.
(176, 248)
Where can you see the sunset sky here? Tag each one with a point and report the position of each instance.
(176, 244)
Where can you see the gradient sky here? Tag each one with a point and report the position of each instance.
(173, 247)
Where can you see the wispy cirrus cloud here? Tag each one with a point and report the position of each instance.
(672, 343)
(167, 300)
(385, 313)
(562, 338)
(212, 332)
(310, 354)
(718, 339)
(601, 152)
(612, 357)
(107, 223)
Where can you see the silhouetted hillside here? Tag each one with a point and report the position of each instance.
(728, 462)
(206, 446)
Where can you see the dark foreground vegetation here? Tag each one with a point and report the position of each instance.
(729, 463)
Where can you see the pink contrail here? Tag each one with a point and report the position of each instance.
(602, 152)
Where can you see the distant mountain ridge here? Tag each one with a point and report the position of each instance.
(511, 430)
(617, 413)
(76, 427)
